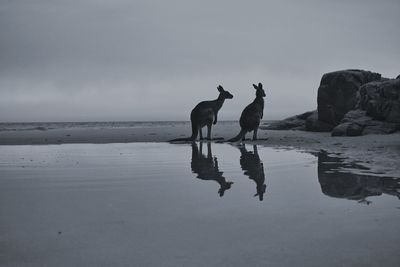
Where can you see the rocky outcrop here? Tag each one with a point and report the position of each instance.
(381, 100)
(307, 121)
(297, 122)
(337, 93)
(313, 124)
(351, 103)
(378, 110)
(357, 122)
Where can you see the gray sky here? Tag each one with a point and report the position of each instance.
(63, 60)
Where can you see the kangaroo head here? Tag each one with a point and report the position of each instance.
(260, 91)
(224, 94)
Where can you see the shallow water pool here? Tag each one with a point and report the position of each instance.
(200, 204)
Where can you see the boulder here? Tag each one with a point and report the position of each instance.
(341, 129)
(352, 124)
(357, 122)
(306, 121)
(292, 123)
(357, 115)
(347, 129)
(381, 100)
(351, 103)
(313, 124)
(337, 93)
(380, 127)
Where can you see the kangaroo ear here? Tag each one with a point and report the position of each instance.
(255, 86)
(220, 89)
(260, 85)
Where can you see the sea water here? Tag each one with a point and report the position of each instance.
(202, 204)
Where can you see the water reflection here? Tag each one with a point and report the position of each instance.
(352, 186)
(206, 167)
(253, 168)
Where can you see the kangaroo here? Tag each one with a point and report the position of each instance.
(251, 115)
(254, 168)
(206, 168)
(206, 113)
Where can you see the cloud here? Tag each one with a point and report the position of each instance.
(140, 60)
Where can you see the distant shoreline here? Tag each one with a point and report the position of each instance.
(44, 126)
(102, 132)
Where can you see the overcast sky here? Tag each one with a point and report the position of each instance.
(65, 60)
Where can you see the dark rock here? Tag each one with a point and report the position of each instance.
(347, 129)
(315, 125)
(380, 127)
(292, 123)
(337, 93)
(341, 129)
(356, 115)
(305, 115)
(307, 121)
(356, 123)
(381, 100)
(354, 129)
(351, 103)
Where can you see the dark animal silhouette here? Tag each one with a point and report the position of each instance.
(206, 113)
(206, 167)
(252, 115)
(254, 168)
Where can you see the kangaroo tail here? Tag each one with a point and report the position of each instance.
(239, 136)
(195, 131)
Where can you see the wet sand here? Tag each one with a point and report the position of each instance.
(379, 153)
(159, 204)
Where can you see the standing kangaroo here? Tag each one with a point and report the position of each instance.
(206, 167)
(206, 113)
(252, 115)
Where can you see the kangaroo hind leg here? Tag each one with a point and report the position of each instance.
(200, 133)
(255, 134)
(209, 131)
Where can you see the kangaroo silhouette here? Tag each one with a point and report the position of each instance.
(206, 113)
(206, 167)
(254, 169)
(251, 115)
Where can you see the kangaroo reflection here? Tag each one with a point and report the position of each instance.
(349, 185)
(254, 168)
(206, 167)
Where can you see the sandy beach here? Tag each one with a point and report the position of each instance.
(379, 153)
(123, 196)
